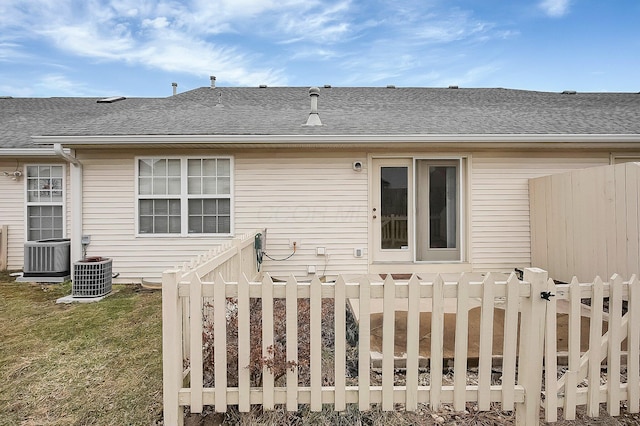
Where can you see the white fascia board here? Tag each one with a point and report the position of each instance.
(27, 152)
(337, 139)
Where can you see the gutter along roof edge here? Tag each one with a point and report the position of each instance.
(268, 140)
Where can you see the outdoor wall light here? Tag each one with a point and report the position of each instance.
(15, 175)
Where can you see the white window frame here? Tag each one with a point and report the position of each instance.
(184, 196)
(465, 162)
(62, 203)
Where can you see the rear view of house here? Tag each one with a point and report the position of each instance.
(344, 180)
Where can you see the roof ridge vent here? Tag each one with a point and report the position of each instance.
(263, 86)
(111, 100)
(314, 118)
(327, 86)
(453, 86)
(569, 92)
(391, 86)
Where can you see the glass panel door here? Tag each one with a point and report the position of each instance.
(438, 218)
(392, 210)
(394, 229)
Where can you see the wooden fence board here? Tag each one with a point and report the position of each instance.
(615, 342)
(486, 342)
(633, 346)
(388, 343)
(571, 387)
(364, 345)
(268, 342)
(413, 342)
(340, 367)
(315, 316)
(4, 247)
(509, 349)
(437, 343)
(244, 344)
(595, 334)
(292, 343)
(461, 344)
(551, 358)
(220, 346)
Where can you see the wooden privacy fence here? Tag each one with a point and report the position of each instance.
(586, 223)
(4, 247)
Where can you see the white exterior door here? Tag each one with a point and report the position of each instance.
(392, 210)
(415, 211)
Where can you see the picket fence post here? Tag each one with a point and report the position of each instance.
(171, 348)
(530, 353)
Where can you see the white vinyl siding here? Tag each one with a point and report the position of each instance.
(13, 208)
(315, 198)
(12, 213)
(500, 227)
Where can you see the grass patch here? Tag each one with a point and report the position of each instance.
(79, 364)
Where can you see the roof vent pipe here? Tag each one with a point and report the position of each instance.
(175, 88)
(213, 81)
(314, 118)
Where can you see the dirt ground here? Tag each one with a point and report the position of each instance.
(474, 333)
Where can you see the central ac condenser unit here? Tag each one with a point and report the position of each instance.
(92, 277)
(47, 258)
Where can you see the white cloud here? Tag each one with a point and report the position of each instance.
(469, 78)
(45, 85)
(157, 23)
(148, 33)
(320, 25)
(386, 41)
(555, 8)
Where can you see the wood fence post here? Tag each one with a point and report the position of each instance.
(4, 247)
(530, 354)
(171, 348)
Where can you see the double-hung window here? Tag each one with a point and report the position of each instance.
(45, 202)
(184, 196)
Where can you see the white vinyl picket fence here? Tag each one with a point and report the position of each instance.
(595, 376)
(528, 368)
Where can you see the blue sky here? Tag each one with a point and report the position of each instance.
(139, 47)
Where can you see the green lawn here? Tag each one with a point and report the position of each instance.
(79, 364)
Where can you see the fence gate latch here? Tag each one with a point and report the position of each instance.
(546, 295)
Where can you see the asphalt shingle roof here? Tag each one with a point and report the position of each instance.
(343, 111)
